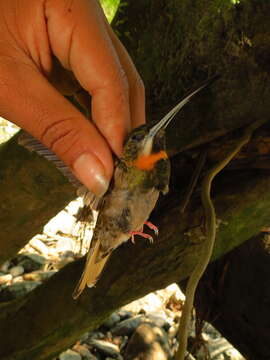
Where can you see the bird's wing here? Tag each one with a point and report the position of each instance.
(94, 265)
(96, 259)
(32, 144)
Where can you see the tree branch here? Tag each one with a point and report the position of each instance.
(31, 192)
(48, 320)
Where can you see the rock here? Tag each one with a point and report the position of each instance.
(39, 275)
(90, 357)
(16, 270)
(117, 340)
(124, 342)
(70, 355)
(209, 332)
(67, 254)
(148, 303)
(190, 357)
(173, 289)
(113, 319)
(31, 262)
(73, 207)
(124, 314)
(233, 354)
(173, 331)
(172, 316)
(17, 279)
(84, 352)
(62, 222)
(39, 246)
(95, 335)
(159, 320)
(4, 279)
(220, 348)
(107, 348)
(65, 245)
(127, 327)
(148, 342)
(64, 260)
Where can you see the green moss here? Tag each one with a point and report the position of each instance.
(110, 8)
(243, 218)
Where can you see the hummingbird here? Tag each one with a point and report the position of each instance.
(140, 175)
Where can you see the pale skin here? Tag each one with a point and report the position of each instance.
(77, 33)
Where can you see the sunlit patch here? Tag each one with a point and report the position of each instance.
(7, 130)
(110, 7)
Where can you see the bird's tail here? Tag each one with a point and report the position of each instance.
(92, 270)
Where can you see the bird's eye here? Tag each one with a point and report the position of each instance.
(137, 136)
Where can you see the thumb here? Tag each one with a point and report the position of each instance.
(31, 102)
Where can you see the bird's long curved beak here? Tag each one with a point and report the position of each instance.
(165, 121)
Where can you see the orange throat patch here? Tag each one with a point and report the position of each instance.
(147, 162)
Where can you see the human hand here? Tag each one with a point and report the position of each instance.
(79, 36)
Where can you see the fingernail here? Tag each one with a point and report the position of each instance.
(90, 171)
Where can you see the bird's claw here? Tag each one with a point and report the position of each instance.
(152, 227)
(142, 234)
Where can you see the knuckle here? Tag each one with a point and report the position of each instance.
(60, 136)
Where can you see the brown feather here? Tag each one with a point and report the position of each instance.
(92, 271)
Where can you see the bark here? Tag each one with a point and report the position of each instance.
(31, 193)
(234, 295)
(178, 44)
(175, 45)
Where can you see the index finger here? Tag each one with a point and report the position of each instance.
(80, 40)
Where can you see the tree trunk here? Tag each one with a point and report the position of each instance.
(176, 45)
(234, 295)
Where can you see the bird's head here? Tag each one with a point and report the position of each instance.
(145, 145)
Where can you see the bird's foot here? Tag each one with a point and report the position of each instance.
(152, 227)
(142, 234)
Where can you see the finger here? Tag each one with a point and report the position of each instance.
(86, 48)
(27, 99)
